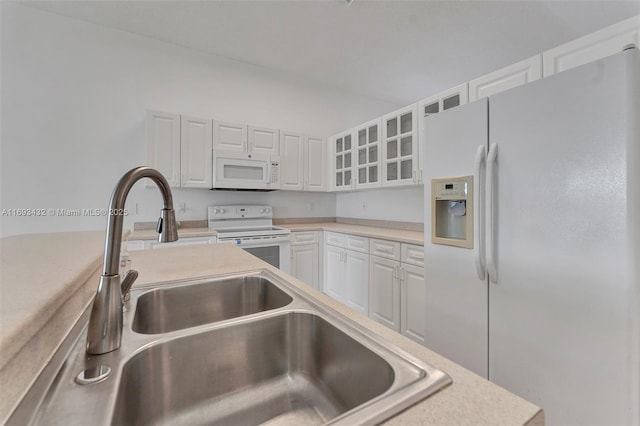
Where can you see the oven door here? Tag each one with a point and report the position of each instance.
(274, 251)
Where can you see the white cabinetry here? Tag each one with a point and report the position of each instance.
(397, 296)
(179, 147)
(163, 145)
(229, 136)
(367, 154)
(445, 100)
(245, 138)
(514, 75)
(341, 158)
(400, 147)
(305, 257)
(315, 164)
(594, 46)
(291, 161)
(384, 282)
(346, 269)
(263, 139)
(195, 152)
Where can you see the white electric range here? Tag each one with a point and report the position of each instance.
(251, 228)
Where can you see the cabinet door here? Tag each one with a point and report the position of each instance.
(291, 161)
(367, 154)
(342, 160)
(515, 75)
(262, 139)
(400, 147)
(229, 136)
(304, 263)
(334, 272)
(413, 303)
(442, 101)
(357, 281)
(384, 288)
(163, 145)
(315, 164)
(594, 46)
(195, 152)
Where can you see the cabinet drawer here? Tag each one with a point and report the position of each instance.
(384, 248)
(412, 254)
(306, 237)
(358, 243)
(335, 239)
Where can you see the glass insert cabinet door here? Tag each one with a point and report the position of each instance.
(400, 147)
(368, 148)
(342, 151)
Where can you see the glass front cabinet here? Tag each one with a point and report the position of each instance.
(400, 147)
(367, 154)
(342, 153)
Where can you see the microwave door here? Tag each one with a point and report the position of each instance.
(241, 174)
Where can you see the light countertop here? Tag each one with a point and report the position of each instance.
(400, 235)
(62, 262)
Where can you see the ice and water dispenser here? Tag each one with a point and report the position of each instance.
(452, 211)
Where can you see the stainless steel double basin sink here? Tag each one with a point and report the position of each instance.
(234, 350)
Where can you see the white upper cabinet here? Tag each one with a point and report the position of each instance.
(593, 46)
(342, 161)
(291, 161)
(229, 136)
(400, 147)
(368, 147)
(163, 145)
(514, 75)
(315, 164)
(262, 139)
(179, 147)
(445, 100)
(195, 152)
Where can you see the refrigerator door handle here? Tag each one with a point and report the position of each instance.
(481, 268)
(491, 214)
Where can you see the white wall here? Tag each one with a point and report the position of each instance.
(398, 204)
(73, 102)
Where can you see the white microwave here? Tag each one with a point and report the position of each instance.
(243, 170)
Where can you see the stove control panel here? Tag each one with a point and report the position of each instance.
(240, 212)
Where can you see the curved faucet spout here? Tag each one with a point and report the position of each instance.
(105, 324)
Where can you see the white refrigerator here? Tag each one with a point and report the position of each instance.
(546, 303)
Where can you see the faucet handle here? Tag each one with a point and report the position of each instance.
(127, 282)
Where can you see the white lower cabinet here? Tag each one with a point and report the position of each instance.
(384, 292)
(397, 295)
(413, 303)
(346, 271)
(305, 257)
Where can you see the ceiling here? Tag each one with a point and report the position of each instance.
(398, 51)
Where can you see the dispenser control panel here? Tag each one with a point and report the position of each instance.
(451, 190)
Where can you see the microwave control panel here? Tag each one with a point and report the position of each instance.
(275, 172)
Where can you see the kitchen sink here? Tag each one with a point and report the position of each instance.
(162, 310)
(296, 365)
(243, 349)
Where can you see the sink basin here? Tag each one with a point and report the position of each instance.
(236, 350)
(295, 366)
(169, 309)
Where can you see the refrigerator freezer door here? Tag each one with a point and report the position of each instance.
(457, 300)
(563, 315)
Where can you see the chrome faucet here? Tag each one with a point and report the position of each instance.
(105, 324)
